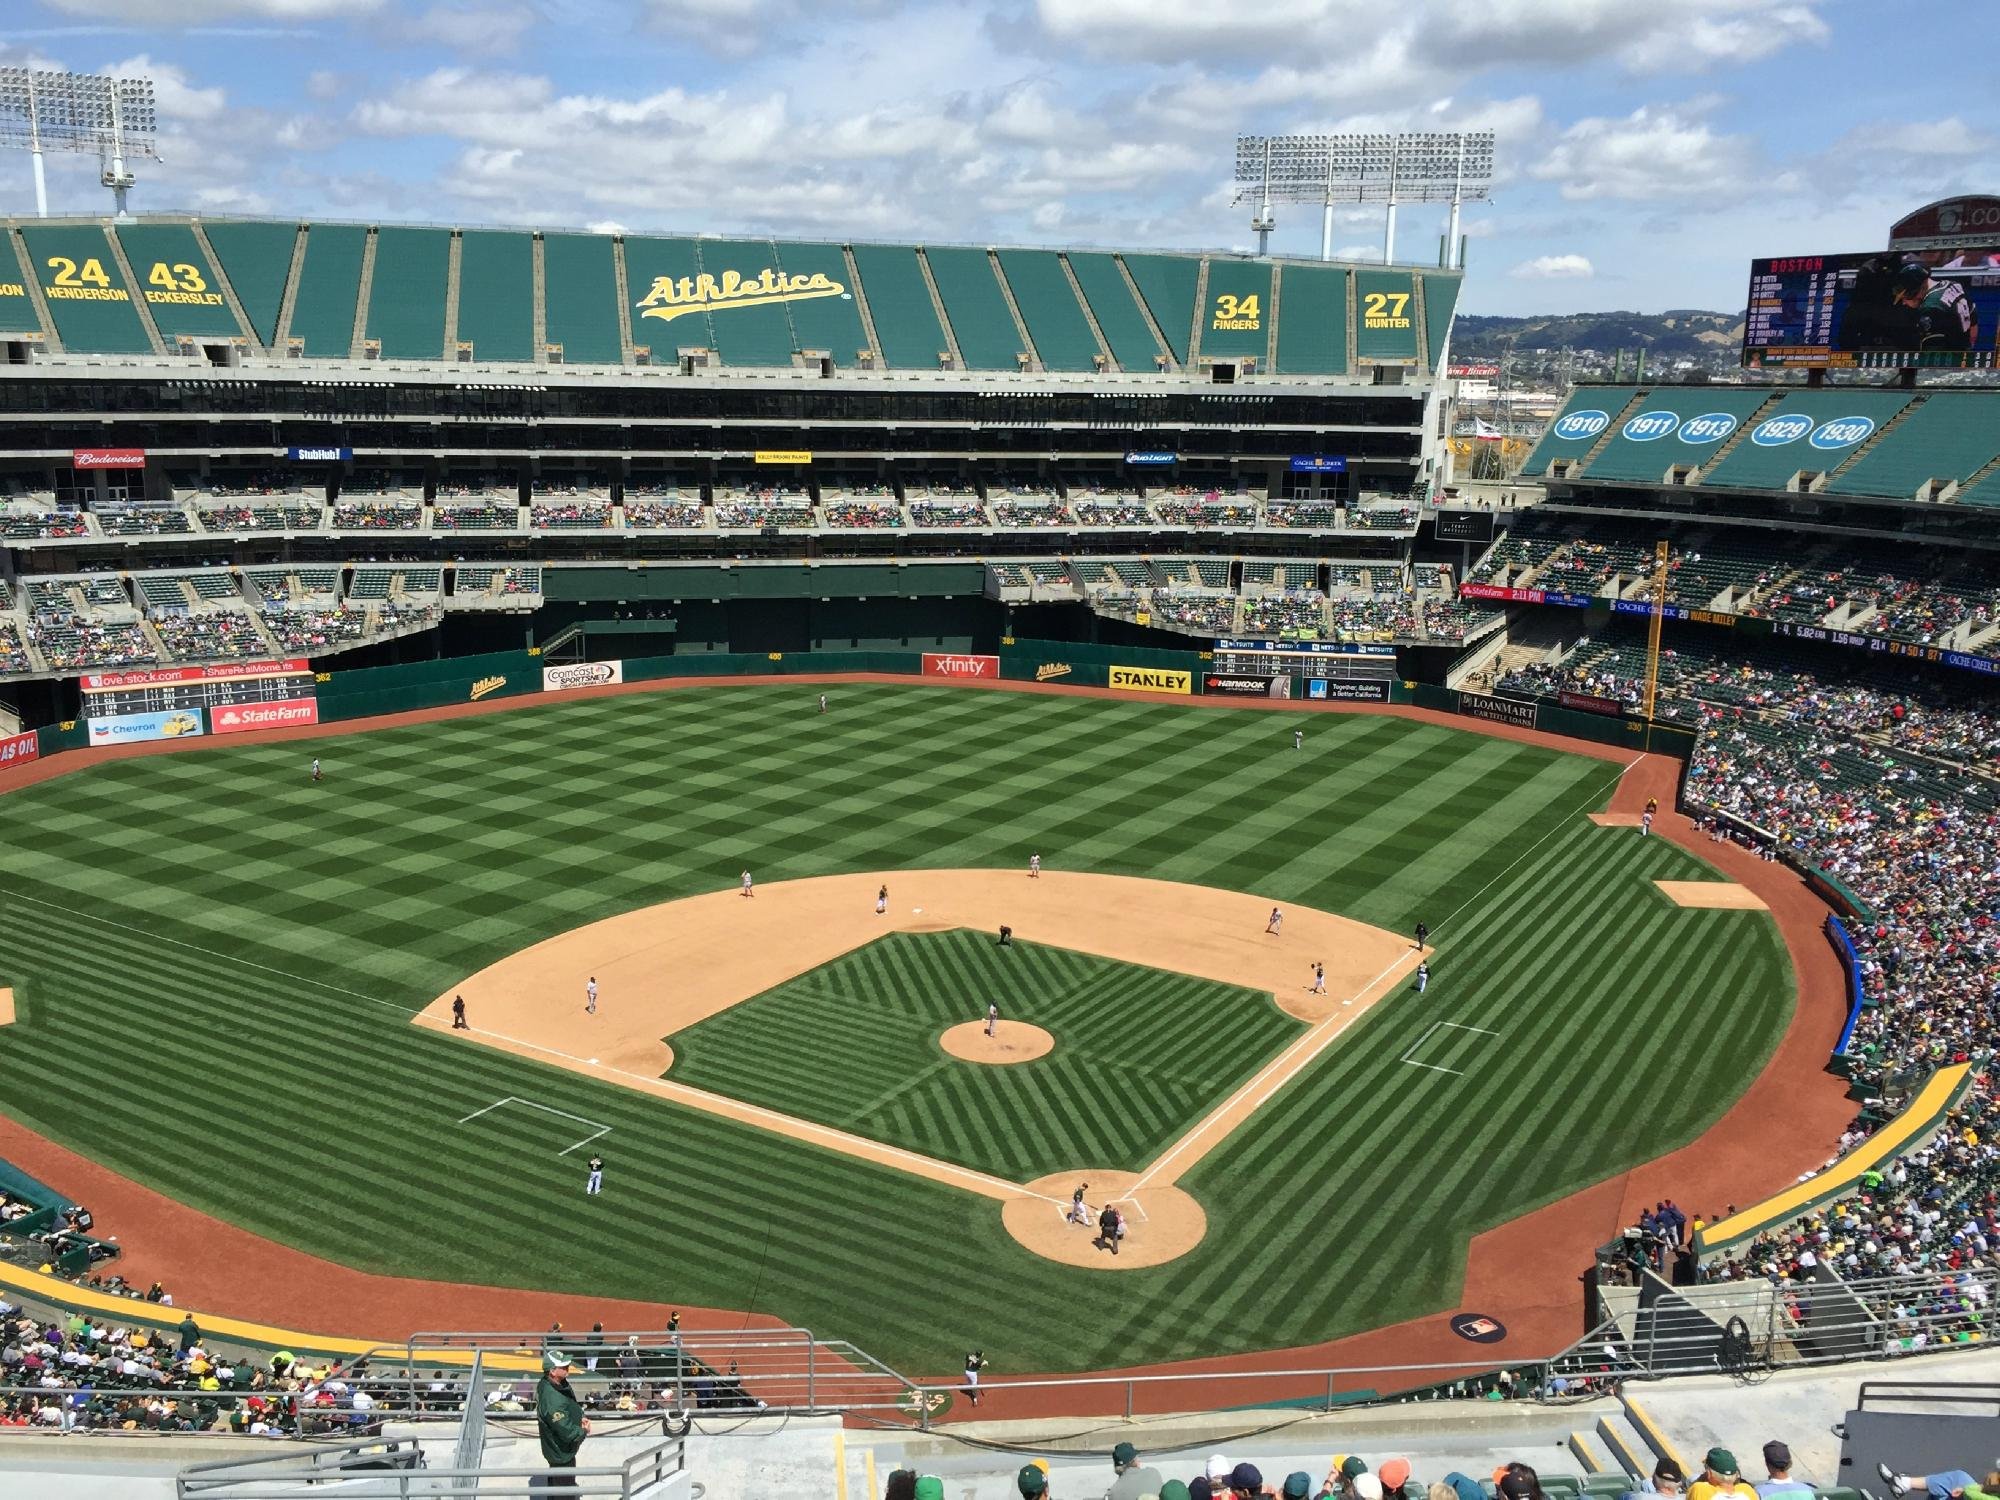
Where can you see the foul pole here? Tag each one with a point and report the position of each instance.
(1659, 613)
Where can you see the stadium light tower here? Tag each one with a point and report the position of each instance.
(1454, 167)
(47, 111)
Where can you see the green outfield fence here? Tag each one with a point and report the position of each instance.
(370, 691)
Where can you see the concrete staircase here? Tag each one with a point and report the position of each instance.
(1014, 312)
(861, 305)
(33, 282)
(137, 292)
(937, 306)
(223, 286)
(1131, 286)
(359, 338)
(291, 297)
(453, 278)
(1200, 307)
(1089, 317)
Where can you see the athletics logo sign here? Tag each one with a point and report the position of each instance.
(671, 298)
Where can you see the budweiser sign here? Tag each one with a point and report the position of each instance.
(940, 664)
(107, 458)
(279, 713)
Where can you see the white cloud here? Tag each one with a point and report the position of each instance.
(164, 15)
(1570, 267)
(177, 98)
(1950, 136)
(465, 29)
(1656, 152)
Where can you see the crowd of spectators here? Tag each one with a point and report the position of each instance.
(1039, 512)
(583, 514)
(1380, 615)
(214, 635)
(378, 515)
(292, 516)
(478, 515)
(947, 511)
(1449, 619)
(1382, 518)
(854, 514)
(1315, 515)
(315, 630)
(13, 651)
(1184, 505)
(670, 514)
(1106, 511)
(69, 641)
(18, 525)
(1208, 613)
(143, 520)
(1297, 613)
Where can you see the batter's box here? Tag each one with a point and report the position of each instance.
(596, 1131)
(1435, 1027)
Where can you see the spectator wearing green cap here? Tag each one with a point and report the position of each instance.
(1298, 1485)
(1133, 1482)
(1721, 1478)
(1031, 1481)
(1173, 1489)
(559, 1420)
(929, 1487)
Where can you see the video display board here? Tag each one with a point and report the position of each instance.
(1874, 309)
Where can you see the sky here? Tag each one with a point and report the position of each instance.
(1646, 150)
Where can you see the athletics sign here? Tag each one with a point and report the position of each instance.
(671, 298)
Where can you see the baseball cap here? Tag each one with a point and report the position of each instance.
(1395, 1473)
(1246, 1476)
(1298, 1484)
(1777, 1455)
(555, 1359)
(1666, 1468)
(1368, 1487)
(1124, 1454)
(1173, 1489)
(1218, 1467)
(1030, 1481)
(1722, 1461)
(929, 1487)
(1353, 1466)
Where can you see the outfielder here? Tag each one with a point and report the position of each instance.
(315, 772)
(1298, 739)
(595, 1184)
(1423, 975)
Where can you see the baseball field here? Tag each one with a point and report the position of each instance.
(216, 967)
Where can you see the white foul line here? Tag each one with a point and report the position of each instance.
(550, 1110)
(1439, 1067)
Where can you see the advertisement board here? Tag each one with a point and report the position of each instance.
(1527, 596)
(1948, 222)
(104, 682)
(320, 455)
(1342, 690)
(278, 713)
(582, 674)
(783, 456)
(1465, 526)
(1151, 680)
(1875, 309)
(107, 458)
(1246, 685)
(1152, 457)
(961, 667)
(1591, 703)
(19, 749)
(130, 729)
(1497, 710)
(1318, 463)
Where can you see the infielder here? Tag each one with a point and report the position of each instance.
(882, 901)
(1645, 824)
(992, 1015)
(1319, 978)
(595, 1184)
(1034, 867)
(746, 883)
(590, 997)
(1277, 921)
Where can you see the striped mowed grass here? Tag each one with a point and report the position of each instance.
(215, 964)
(1140, 1053)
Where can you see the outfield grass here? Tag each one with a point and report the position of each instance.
(216, 963)
(1141, 1054)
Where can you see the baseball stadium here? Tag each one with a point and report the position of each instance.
(917, 837)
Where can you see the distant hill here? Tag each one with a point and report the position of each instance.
(1681, 331)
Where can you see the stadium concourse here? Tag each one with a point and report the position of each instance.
(1522, 1273)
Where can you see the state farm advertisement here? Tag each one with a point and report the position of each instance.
(19, 749)
(942, 664)
(279, 713)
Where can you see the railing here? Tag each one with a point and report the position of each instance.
(399, 1470)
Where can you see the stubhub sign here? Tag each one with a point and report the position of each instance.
(319, 455)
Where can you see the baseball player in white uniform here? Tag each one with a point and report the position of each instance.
(590, 997)
(1034, 867)
(746, 883)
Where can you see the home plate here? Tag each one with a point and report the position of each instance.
(916, 911)
(593, 1062)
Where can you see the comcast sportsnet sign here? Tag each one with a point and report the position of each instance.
(961, 668)
(279, 713)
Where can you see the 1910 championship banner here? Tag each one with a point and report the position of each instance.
(1497, 710)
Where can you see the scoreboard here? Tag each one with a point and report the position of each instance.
(1938, 309)
(1333, 670)
(117, 695)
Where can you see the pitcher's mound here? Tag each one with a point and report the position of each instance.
(1011, 1042)
(1161, 1223)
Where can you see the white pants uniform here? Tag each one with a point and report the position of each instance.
(596, 1183)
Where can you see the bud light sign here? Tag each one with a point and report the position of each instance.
(1842, 432)
(1649, 425)
(1775, 432)
(1578, 425)
(1709, 427)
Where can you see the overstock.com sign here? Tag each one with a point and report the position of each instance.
(1581, 424)
(1649, 425)
(1709, 427)
(1842, 432)
(1775, 432)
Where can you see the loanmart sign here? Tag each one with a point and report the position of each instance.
(673, 297)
